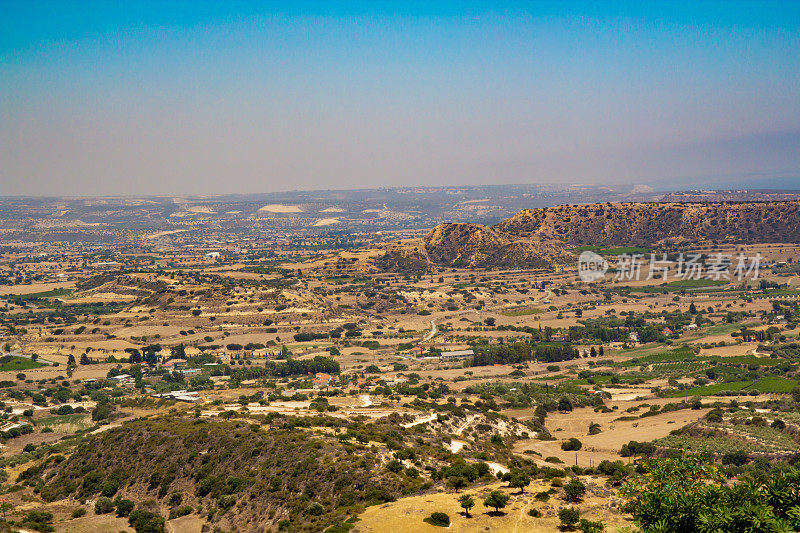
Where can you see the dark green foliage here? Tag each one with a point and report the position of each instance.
(587, 526)
(689, 494)
(180, 511)
(571, 445)
(394, 466)
(38, 520)
(505, 354)
(574, 490)
(146, 521)
(232, 462)
(518, 480)
(291, 367)
(497, 500)
(467, 502)
(564, 404)
(124, 507)
(103, 505)
(438, 519)
(637, 448)
(569, 517)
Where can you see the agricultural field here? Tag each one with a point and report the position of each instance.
(421, 387)
(10, 363)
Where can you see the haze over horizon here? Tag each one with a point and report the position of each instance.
(186, 98)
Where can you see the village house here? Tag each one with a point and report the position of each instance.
(456, 355)
(394, 380)
(179, 395)
(122, 380)
(174, 364)
(322, 380)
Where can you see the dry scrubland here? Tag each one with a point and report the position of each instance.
(327, 369)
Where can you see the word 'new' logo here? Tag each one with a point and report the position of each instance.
(591, 266)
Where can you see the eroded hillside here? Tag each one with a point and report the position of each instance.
(535, 238)
(648, 223)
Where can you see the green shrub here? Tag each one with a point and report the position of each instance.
(315, 509)
(574, 490)
(103, 505)
(180, 511)
(38, 520)
(124, 507)
(146, 521)
(736, 458)
(689, 494)
(587, 526)
(438, 519)
(569, 517)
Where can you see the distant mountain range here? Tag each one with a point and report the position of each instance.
(195, 219)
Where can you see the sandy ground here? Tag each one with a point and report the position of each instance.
(186, 524)
(36, 287)
(325, 222)
(109, 523)
(606, 444)
(281, 208)
(92, 523)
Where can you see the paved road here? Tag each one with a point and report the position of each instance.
(434, 330)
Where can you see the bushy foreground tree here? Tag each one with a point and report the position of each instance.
(689, 494)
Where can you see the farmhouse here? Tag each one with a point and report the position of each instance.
(174, 364)
(122, 379)
(456, 355)
(322, 380)
(180, 395)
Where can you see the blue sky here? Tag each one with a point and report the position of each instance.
(220, 97)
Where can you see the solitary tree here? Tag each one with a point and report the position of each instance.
(496, 499)
(574, 490)
(467, 502)
(564, 405)
(519, 480)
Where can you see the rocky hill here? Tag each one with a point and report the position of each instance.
(472, 245)
(649, 223)
(537, 238)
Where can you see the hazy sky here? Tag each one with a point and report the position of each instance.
(170, 97)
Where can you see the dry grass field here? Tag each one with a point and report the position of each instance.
(406, 515)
